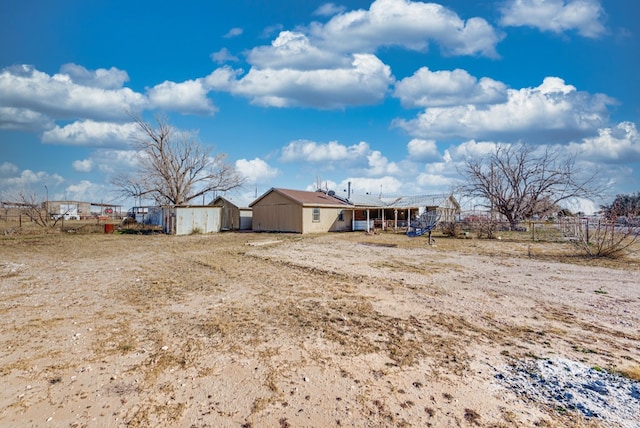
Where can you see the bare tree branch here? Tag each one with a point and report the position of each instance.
(518, 182)
(37, 212)
(174, 167)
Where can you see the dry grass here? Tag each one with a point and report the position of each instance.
(630, 372)
(168, 323)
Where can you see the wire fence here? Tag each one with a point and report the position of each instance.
(569, 229)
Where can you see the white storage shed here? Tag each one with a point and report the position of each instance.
(191, 219)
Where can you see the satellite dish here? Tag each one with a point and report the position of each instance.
(331, 193)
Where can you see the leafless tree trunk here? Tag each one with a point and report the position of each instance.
(519, 182)
(174, 167)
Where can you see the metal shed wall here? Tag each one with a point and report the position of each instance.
(184, 220)
(230, 214)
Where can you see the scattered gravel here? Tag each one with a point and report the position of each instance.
(11, 269)
(572, 386)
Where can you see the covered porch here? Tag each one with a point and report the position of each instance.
(387, 219)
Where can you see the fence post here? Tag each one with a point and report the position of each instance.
(587, 225)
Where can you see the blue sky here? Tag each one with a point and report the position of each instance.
(390, 95)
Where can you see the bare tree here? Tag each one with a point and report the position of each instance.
(174, 167)
(519, 182)
(37, 212)
(626, 206)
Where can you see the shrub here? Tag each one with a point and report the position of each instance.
(606, 238)
(450, 228)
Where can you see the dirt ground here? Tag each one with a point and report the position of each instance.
(262, 330)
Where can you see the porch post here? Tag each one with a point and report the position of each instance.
(368, 220)
(395, 221)
(353, 220)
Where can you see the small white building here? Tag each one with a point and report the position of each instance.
(191, 219)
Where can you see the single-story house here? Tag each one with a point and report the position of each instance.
(391, 214)
(233, 216)
(299, 211)
(188, 219)
(446, 205)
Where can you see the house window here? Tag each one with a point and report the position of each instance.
(341, 215)
(316, 214)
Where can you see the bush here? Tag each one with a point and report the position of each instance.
(450, 228)
(487, 228)
(606, 239)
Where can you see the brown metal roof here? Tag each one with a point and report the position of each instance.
(306, 198)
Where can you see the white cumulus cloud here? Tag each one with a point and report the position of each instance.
(13, 180)
(189, 96)
(620, 143)
(91, 133)
(408, 24)
(294, 50)
(8, 169)
(47, 98)
(551, 111)
(309, 151)
(15, 118)
(420, 149)
(364, 82)
(557, 16)
(112, 78)
(380, 165)
(256, 170)
(426, 88)
(85, 165)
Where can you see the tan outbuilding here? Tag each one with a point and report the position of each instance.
(299, 211)
(233, 216)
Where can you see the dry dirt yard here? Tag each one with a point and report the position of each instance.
(261, 330)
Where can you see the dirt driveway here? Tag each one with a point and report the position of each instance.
(259, 330)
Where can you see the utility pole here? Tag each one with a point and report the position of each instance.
(46, 206)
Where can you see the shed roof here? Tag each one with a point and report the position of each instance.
(229, 201)
(304, 198)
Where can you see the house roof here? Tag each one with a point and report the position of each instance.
(367, 201)
(305, 198)
(442, 200)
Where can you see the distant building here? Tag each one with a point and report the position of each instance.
(79, 210)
